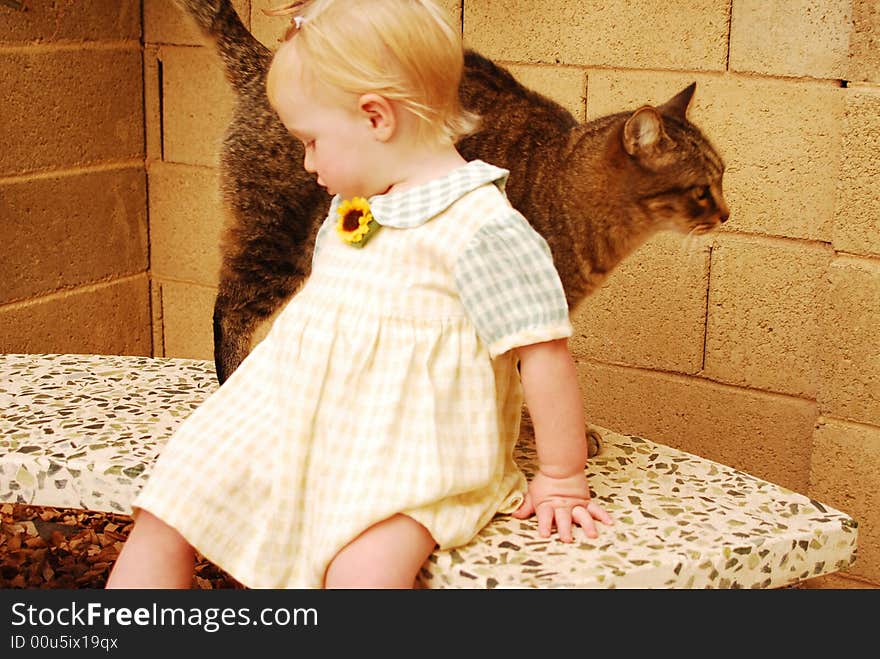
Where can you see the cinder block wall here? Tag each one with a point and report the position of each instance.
(73, 212)
(756, 346)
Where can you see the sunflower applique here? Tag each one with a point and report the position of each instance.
(356, 223)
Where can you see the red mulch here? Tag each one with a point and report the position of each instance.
(44, 548)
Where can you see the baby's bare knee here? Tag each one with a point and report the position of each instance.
(386, 555)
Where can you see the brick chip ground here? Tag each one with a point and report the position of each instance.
(42, 548)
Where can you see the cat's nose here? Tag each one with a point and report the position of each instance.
(723, 210)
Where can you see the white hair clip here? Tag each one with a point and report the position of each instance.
(296, 24)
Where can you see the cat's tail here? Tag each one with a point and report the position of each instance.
(245, 58)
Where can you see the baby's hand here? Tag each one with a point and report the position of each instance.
(562, 500)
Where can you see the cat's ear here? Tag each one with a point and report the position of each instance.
(643, 132)
(677, 105)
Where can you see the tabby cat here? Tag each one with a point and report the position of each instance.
(595, 191)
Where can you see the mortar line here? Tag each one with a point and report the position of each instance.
(707, 73)
(773, 238)
(63, 46)
(856, 259)
(26, 177)
(160, 75)
(686, 378)
(144, 97)
(706, 309)
(585, 98)
(151, 310)
(65, 291)
(729, 33)
(170, 279)
(825, 418)
(162, 317)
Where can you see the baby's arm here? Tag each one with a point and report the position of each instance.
(558, 492)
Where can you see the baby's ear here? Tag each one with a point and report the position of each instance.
(380, 113)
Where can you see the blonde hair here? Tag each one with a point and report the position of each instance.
(404, 50)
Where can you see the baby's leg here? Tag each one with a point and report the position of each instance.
(154, 556)
(386, 555)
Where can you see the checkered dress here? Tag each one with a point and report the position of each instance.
(386, 385)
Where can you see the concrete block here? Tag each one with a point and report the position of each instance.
(643, 35)
(183, 320)
(186, 222)
(165, 22)
(651, 310)
(66, 230)
(66, 108)
(72, 20)
(187, 312)
(111, 318)
(794, 38)
(849, 348)
(453, 8)
(610, 91)
(845, 474)
(763, 320)
(197, 105)
(152, 103)
(270, 29)
(565, 85)
(864, 42)
(780, 141)
(767, 435)
(857, 212)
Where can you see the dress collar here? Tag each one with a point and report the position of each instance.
(414, 207)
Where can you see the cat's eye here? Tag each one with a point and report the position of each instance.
(703, 193)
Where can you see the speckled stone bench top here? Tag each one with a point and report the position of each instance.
(82, 431)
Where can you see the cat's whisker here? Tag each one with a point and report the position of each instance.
(688, 243)
(695, 243)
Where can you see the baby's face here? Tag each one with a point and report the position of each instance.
(338, 139)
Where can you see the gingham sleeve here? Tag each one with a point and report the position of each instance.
(510, 287)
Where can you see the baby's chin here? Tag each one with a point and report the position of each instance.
(349, 195)
(365, 194)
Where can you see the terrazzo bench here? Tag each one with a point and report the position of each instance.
(82, 431)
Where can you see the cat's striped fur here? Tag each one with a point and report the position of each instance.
(595, 191)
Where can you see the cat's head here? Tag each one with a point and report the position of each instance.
(673, 170)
